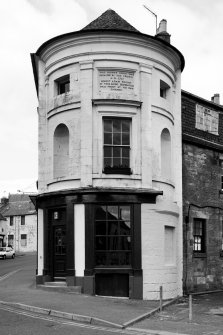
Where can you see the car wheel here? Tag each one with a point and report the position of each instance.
(13, 256)
(4, 257)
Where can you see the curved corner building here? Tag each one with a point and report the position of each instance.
(110, 196)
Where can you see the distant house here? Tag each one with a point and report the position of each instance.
(3, 229)
(21, 222)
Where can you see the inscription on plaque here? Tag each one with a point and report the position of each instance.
(116, 81)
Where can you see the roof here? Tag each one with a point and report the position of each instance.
(110, 20)
(194, 97)
(18, 204)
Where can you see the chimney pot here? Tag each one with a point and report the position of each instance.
(216, 98)
(161, 31)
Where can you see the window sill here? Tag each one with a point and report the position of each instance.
(199, 255)
(126, 171)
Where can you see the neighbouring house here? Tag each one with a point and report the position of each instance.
(110, 169)
(21, 221)
(202, 128)
(3, 230)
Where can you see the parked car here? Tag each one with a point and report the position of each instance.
(7, 252)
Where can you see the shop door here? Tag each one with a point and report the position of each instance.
(59, 261)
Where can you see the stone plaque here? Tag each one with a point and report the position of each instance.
(116, 81)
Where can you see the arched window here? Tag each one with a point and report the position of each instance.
(165, 154)
(60, 151)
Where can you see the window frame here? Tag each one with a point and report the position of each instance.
(201, 235)
(23, 220)
(11, 222)
(61, 85)
(117, 169)
(164, 89)
(107, 237)
(24, 240)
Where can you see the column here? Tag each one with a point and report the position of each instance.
(86, 88)
(146, 134)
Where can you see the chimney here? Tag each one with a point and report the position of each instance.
(161, 31)
(216, 98)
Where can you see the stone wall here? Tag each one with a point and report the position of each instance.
(202, 198)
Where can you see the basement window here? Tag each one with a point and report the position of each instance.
(164, 89)
(63, 84)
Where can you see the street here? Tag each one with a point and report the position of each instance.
(19, 273)
(18, 322)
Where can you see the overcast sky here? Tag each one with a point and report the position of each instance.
(196, 29)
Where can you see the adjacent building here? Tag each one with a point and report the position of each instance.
(202, 128)
(110, 170)
(3, 229)
(21, 222)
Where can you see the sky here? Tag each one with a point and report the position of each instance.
(196, 29)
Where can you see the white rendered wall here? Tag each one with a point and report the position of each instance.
(158, 270)
(40, 243)
(79, 239)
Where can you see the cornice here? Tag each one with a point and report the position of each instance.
(112, 37)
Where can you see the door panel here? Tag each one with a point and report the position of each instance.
(59, 262)
(115, 285)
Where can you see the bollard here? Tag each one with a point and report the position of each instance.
(190, 307)
(161, 298)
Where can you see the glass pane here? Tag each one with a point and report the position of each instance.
(113, 258)
(112, 212)
(125, 258)
(125, 243)
(116, 138)
(124, 213)
(116, 126)
(107, 162)
(125, 228)
(126, 126)
(100, 213)
(117, 162)
(125, 162)
(125, 139)
(113, 243)
(100, 227)
(113, 227)
(100, 243)
(108, 126)
(116, 152)
(107, 138)
(100, 258)
(125, 152)
(107, 151)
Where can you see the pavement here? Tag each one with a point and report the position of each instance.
(133, 315)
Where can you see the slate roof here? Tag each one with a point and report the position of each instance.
(18, 204)
(110, 20)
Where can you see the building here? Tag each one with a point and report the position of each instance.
(202, 127)
(21, 222)
(3, 228)
(110, 184)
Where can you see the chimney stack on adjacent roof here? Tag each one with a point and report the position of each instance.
(161, 31)
(216, 98)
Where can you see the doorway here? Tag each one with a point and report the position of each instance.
(59, 252)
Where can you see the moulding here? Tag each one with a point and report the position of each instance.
(117, 102)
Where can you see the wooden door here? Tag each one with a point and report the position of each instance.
(59, 252)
